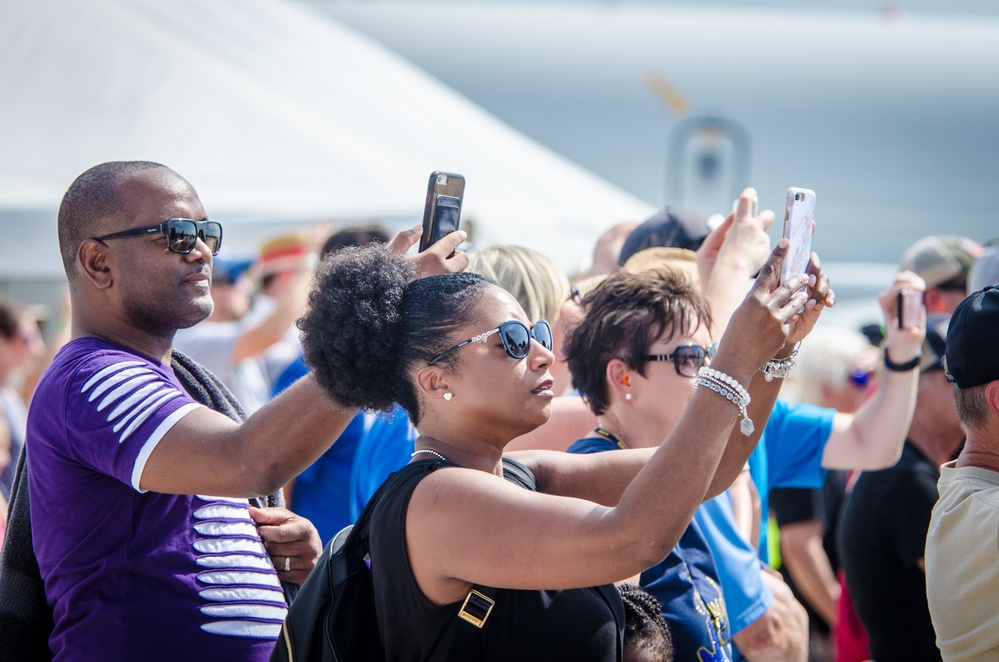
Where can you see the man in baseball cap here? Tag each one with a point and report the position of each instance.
(962, 552)
(943, 261)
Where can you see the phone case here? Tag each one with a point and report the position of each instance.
(799, 223)
(910, 304)
(442, 211)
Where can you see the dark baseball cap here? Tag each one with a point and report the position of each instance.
(972, 353)
(672, 226)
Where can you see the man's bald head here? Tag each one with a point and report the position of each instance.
(90, 204)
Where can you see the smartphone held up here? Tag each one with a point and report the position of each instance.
(443, 208)
(910, 305)
(799, 224)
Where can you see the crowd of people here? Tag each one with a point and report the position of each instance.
(669, 456)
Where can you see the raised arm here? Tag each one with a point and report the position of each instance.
(208, 453)
(872, 437)
(466, 516)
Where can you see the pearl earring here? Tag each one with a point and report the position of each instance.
(627, 396)
(448, 396)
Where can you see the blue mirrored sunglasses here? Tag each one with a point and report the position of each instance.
(516, 339)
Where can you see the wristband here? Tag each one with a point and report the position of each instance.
(902, 367)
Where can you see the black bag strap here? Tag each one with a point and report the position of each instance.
(480, 599)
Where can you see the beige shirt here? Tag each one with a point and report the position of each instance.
(962, 564)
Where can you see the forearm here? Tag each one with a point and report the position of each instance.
(208, 453)
(872, 438)
(290, 432)
(809, 567)
(746, 508)
(273, 328)
(763, 395)
(781, 634)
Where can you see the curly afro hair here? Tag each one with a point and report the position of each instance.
(644, 626)
(368, 322)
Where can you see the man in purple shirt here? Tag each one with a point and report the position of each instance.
(138, 562)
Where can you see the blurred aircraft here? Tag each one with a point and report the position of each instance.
(889, 115)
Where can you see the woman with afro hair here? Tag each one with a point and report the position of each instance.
(459, 354)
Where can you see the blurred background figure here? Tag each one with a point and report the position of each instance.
(607, 249)
(284, 268)
(985, 270)
(943, 261)
(837, 369)
(21, 347)
(883, 525)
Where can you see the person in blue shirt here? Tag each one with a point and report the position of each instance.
(636, 357)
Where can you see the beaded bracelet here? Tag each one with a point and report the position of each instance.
(779, 368)
(730, 388)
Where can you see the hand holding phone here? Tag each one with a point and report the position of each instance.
(443, 208)
(799, 223)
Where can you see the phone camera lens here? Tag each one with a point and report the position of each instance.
(442, 179)
(797, 196)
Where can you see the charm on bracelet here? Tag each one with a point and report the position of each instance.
(779, 368)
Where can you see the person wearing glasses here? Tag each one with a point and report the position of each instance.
(141, 526)
(635, 357)
(798, 444)
(472, 371)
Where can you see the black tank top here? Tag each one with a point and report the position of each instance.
(582, 625)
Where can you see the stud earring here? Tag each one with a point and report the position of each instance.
(448, 396)
(627, 396)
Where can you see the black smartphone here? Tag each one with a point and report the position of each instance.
(443, 209)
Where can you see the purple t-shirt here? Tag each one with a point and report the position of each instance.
(131, 574)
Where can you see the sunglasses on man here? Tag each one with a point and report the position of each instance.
(181, 234)
(516, 339)
(687, 359)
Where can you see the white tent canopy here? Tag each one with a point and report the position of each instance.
(275, 114)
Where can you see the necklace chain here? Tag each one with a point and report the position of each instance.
(427, 450)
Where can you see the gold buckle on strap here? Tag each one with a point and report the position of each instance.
(476, 608)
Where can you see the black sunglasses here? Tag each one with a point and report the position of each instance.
(516, 339)
(687, 359)
(181, 234)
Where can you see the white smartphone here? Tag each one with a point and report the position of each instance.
(799, 223)
(910, 305)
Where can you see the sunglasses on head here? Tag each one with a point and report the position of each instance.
(181, 234)
(687, 359)
(516, 339)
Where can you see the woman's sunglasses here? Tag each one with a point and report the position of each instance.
(181, 234)
(687, 359)
(516, 339)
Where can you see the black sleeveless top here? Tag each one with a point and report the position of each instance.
(582, 625)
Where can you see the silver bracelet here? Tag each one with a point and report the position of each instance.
(779, 368)
(728, 387)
